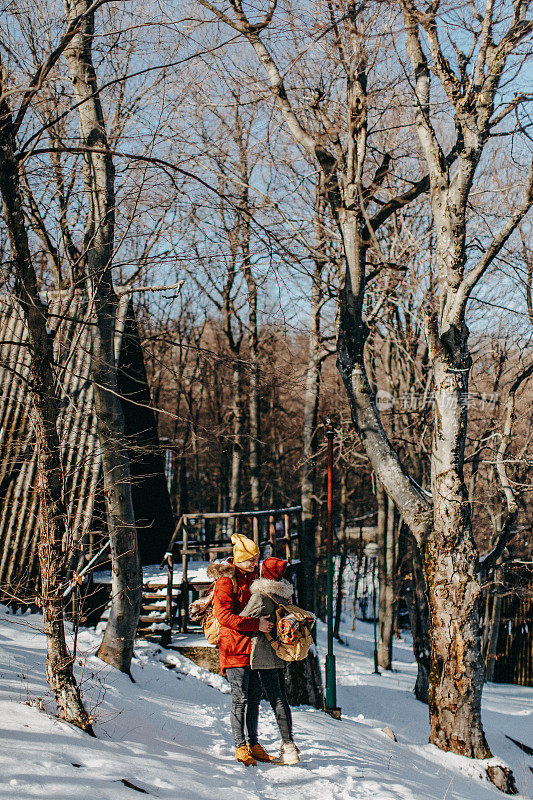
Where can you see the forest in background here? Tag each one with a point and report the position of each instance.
(283, 188)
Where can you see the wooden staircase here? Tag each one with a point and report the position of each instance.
(153, 620)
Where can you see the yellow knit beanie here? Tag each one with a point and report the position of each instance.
(243, 548)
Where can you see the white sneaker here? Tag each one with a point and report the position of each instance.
(289, 754)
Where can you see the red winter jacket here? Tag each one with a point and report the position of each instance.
(235, 640)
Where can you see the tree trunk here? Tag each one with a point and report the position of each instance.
(457, 669)
(241, 136)
(411, 503)
(254, 414)
(357, 574)
(494, 626)
(321, 557)
(237, 437)
(126, 588)
(53, 541)
(450, 554)
(52, 515)
(308, 480)
(310, 412)
(117, 645)
(387, 573)
(303, 681)
(456, 677)
(419, 619)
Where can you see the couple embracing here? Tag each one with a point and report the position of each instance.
(244, 603)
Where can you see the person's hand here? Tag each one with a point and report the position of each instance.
(265, 626)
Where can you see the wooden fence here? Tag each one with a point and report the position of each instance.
(202, 536)
(514, 655)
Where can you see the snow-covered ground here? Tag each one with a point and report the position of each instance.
(168, 734)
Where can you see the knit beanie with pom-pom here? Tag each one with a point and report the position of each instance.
(273, 568)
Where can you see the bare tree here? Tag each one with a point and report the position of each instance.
(457, 669)
(99, 174)
(348, 198)
(52, 520)
(317, 353)
(388, 540)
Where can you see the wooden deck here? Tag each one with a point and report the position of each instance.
(198, 539)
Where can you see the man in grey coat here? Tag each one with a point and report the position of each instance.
(268, 592)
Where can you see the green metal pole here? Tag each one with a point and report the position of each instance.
(331, 679)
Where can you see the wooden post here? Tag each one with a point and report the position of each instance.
(202, 538)
(272, 533)
(184, 589)
(170, 579)
(287, 527)
(74, 605)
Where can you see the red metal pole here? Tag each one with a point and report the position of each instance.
(330, 434)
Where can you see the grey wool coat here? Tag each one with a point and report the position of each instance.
(263, 603)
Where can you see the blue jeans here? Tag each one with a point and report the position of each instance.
(246, 686)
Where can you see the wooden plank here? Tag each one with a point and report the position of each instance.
(287, 537)
(170, 581)
(227, 514)
(195, 543)
(220, 548)
(272, 533)
(172, 542)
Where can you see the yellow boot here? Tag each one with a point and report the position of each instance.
(243, 755)
(260, 754)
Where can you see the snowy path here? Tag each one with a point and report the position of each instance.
(169, 733)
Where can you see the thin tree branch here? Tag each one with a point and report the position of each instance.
(44, 69)
(489, 561)
(472, 278)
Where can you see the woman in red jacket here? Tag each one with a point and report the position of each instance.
(232, 592)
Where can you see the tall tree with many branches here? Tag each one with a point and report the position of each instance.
(98, 251)
(471, 90)
(52, 523)
(440, 522)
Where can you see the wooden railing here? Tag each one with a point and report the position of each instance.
(283, 545)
